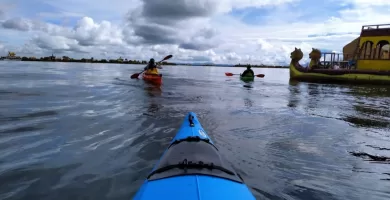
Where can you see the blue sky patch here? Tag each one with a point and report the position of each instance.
(332, 34)
(251, 16)
(32, 8)
(305, 10)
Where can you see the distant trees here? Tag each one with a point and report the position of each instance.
(261, 66)
(52, 58)
(65, 58)
(84, 60)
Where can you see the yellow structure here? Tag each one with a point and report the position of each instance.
(373, 50)
(366, 60)
(297, 72)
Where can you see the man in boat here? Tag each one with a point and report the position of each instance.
(248, 72)
(151, 68)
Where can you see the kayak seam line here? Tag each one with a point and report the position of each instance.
(197, 185)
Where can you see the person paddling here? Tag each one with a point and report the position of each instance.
(248, 72)
(152, 65)
(151, 68)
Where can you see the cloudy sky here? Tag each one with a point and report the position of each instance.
(219, 31)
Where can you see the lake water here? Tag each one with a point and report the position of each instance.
(88, 131)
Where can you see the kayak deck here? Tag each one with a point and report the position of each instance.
(196, 187)
(192, 168)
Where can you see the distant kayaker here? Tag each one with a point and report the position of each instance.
(248, 72)
(151, 68)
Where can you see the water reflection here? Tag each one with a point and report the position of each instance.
(314, 95)
(371, 107)
(365, 108)
(370, 91)
(248, 85)
(33, 179)
(248, 102)
(294, 94)
(153, 91)
(358, 105)
(104, 130)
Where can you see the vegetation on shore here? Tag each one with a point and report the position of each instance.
(261, 66)
(120, 60)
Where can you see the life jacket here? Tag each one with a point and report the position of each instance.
(152, 71)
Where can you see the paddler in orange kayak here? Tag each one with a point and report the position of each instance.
(151, 68)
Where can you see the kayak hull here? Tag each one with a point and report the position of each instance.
(196, 179)
(152, 78)
(247, 78)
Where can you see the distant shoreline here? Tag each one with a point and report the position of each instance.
(121, 61)
(261, 66)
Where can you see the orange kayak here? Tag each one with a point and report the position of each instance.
(152, 78)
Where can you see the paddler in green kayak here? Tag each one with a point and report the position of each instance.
(248, 72)
(151, 68)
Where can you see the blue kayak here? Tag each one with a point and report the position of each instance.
(191, 168)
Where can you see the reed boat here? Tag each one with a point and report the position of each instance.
(365, 60)
(11, 57)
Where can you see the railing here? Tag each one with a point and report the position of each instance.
(375, 30)
(330, 65)
(336, 60)
(377, 26)
(333, 57)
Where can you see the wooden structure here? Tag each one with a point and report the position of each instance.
(332, 59)
(349, 49)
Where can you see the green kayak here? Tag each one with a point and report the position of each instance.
(247, 78)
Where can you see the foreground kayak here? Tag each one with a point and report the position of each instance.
(247, 78)
(152, 78)
(191, 168)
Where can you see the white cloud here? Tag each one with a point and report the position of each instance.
(199, 30)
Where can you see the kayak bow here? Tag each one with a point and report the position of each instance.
(152, 78)
(191, 168)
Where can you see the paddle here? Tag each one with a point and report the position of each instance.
(137, 74)
(231, 74)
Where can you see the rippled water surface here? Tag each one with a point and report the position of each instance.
(87, 131)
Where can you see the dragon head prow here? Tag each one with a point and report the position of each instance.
(315, 54)
(296, 55)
